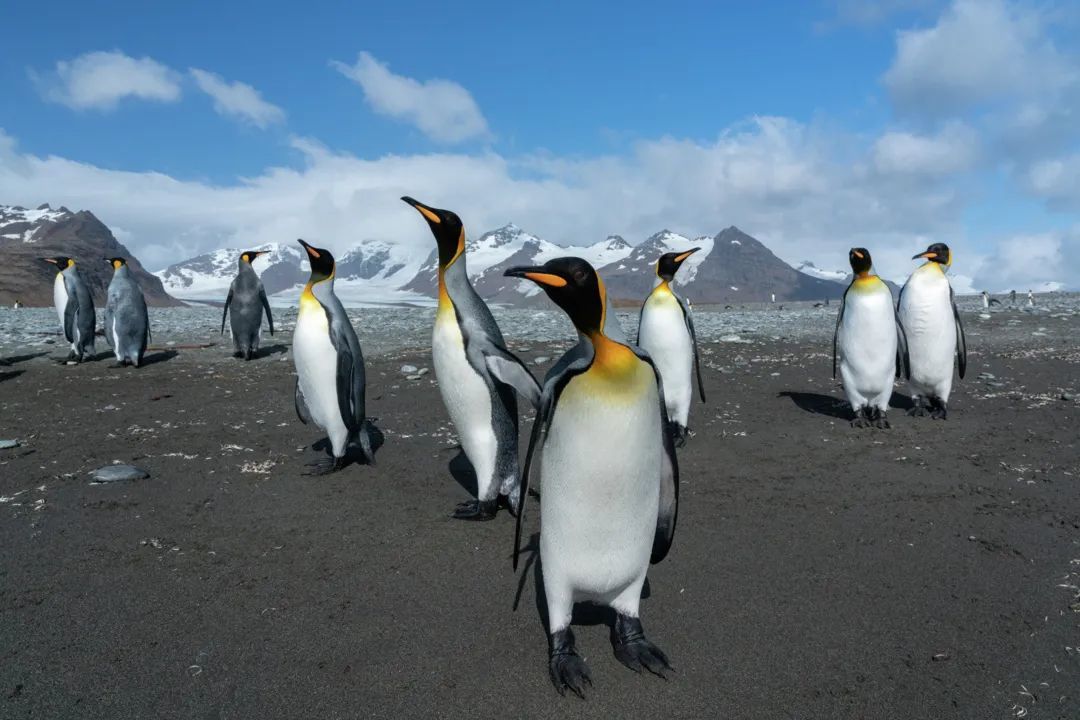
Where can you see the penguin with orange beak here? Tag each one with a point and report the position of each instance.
(247, 300)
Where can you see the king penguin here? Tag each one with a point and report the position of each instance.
(127, 325)
(330, 381)
(75, 307)
(666, 332)
(869, 342)
(610, 478)
(477, 375)
(247, 298)
(934, 332)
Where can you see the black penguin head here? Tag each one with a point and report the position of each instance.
(322, 262)
(60, 261)
(860, 260)
(446, 227)
(938, 252)
(116, 262)
(573, 285)
(669, 263)
(248, 256)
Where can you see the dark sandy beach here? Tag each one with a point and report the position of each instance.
(929, 571)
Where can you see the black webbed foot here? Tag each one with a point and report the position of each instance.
(862, 419)
(938, 411)
(679, 433)
(919, 409)
(326, 466)
(634, 650)
(881, 422)
(476, 510)
(568, 671)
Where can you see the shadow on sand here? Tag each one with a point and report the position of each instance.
(7, 362)
(10, 375)
(353, 455)
(830, 406)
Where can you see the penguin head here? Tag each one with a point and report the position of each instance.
(116, 263)
(573, 285)
(446, 227)
(860, 260)
(322, 262)
(938, 252)
(61, 262)
(669, 263)
(248, 256)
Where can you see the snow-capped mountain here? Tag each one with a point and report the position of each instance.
(208, 276)
(28, 235)
(813, 270)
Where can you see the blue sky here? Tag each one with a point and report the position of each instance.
(813, 126)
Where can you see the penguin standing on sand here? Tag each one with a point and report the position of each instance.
(75, 307)
(666, 332)
(610, 478)
(477, 375)
(869, 341)
(247, 298)
(127, 325)
(934, 332)
(330, 381)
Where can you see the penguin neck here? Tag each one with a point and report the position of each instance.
(309, 300)
(662, 287)
(865, 279)
(452, 273)
(610, 358)
(245, 267)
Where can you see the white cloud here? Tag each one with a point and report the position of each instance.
(953, 150)
(238, 99)
(1041, 261)
(441, 109)
(980, 52)
(100, 80)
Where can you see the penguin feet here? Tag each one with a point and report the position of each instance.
(634, 650)
(679, 433)
(326, 466)
(476, 510)
(880, 421)
(862, 419)
(938, 411)
(568, 671)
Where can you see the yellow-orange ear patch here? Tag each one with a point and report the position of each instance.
(857, 254)
(546, 279)
(313, 252)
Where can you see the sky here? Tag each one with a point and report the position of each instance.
(813, 126)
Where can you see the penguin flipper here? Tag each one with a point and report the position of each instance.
(961, 339)
(693, 339)
(302, 411)
(266, 307)
(225, 314)
(71, 311)
(108, 323)
(836, 332)
(903, 357)
(508, 369)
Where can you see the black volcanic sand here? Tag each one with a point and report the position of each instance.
(929, 571)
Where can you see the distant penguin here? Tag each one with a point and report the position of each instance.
(75, 307)
(666, 332)
(1031, 299)
(610, 478)
(985, 299)
(1012, 297)
(869, 343)
(127, 324)
(934, 332)
(477, 375)
(247, 299)
(330, 380)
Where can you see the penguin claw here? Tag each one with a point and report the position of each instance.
(567, 669)
(326, 466)
(476, 510)
(635, 651)
(882, 423)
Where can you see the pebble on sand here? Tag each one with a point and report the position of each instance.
(117, 473)
(540, 360)
(408, 369)
(6, 444)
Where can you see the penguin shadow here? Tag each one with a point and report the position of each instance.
(158, 357)
(901, 402)
(462, 471)
(584, 613)
(270, 350)
(353, 454)
(15, 359)
(830, 406)
(10, 374)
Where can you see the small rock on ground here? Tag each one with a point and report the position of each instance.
(117, 473)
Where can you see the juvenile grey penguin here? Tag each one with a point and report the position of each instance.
(477, 375)
(610, 478)
(75, 307)
(666, 332)
(127, 325)
(330, 380)
(247, 299)
(934, 332)
(869, 343)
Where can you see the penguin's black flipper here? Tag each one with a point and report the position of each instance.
(266, 307)
(508, 369)
(302, 411)
(693, 339)
(903, 357)
(961, 340)
(71, 310)
(225, 314)
(836, 332)
(108, 324)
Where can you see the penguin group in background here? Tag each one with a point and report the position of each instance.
(247, 299)
(75, 307)
(927, 310)
(610, 478)
(666, 332)
(477, 375)
(127, 325)
(330, 381)
(869, 343)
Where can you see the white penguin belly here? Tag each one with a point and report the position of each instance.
(316, 368)
(601, 489)
(927, 315)
(867, 344)
(467, 400)
(665, 337)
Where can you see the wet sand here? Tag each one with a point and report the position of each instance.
(927, 571)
